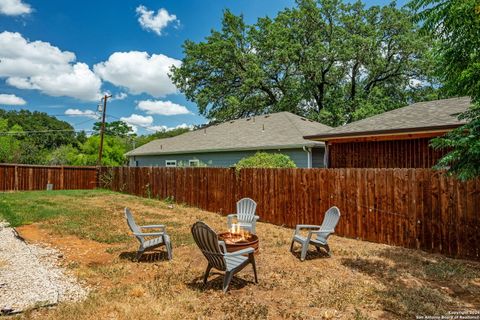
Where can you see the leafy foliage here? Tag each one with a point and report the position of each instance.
(141, 140)
(114, 128)
(456, 25)
(113, 151)
(464, 142)
(266, 160)
(327, 60)
(9, 145)
(27, 137)
(48, 146)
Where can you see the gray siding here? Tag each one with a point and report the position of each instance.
(318, 155)
(219, 159)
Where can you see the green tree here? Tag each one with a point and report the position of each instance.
(33, 135)
(46, 132)
(63, 155)
(114, 128)
(113, 152)
(266, 160)
(10, 150)
(143, 139)
(456, 26)
(81, 137)
(327, 60)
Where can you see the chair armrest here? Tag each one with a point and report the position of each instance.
(322, 231)
(230, 219)
(240, 252)
(256, 218)
(154, 226)
(222, 245)
(148, 234)
(305, 226)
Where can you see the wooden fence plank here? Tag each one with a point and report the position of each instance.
(414, 208)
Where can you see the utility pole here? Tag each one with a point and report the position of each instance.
(102, 129)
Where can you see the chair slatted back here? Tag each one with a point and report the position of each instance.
(331, 219)
(207, 240)
(246, 208)
(131, 224)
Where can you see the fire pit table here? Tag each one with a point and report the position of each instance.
(239, 241)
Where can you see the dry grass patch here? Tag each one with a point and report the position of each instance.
(361, 281)
(3, 263)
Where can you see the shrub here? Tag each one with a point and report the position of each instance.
(266, 160)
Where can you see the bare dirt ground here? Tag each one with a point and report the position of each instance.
(361, 281)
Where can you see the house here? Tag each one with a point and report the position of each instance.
(223, 145)
(394, 139)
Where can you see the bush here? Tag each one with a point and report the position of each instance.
(266, 160)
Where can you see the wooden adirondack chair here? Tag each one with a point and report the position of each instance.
(246, 218)
(318, 235)
(216, 253)
(149, 240)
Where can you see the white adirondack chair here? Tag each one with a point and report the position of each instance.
(216, 253)
(149, 240)
(246, 218)
(318, 235)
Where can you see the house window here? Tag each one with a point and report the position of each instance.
(170, 163)
(194, 163)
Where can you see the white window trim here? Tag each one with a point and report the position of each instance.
(170, 166)
(195, 161)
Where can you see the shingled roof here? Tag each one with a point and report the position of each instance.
(418, 117)
(280, 130)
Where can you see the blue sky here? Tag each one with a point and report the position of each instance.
(59, 56)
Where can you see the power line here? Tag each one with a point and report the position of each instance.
(42, 131)
(82, 122)
(138, 125)
(51, 130)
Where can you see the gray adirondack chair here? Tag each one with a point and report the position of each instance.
(318, 235)
(245, 215)
(149, 240)
(216, 253)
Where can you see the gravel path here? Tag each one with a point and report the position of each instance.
(30, 275)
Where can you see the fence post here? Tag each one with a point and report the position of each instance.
(98, 172)
(30, 179)
(15, 182)
(62, 171)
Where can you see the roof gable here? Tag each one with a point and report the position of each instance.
(282, 129)
(421, 116)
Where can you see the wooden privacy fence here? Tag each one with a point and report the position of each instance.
(413, 208)
(15, 177)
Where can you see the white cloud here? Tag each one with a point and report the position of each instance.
(120, 96)
(39, 65)
(183, 126)
(165, 128)
(82, 113)
(14, 7)
(416, 83)
(154, 22)
(164, 108)
(136, 120)
(139, 72)
(11, 100)
(158, 128)
(146, 122)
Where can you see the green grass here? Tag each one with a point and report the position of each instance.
(66, 212)
(88, 214)
(20, 208)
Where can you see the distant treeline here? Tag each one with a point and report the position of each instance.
(38, 138)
